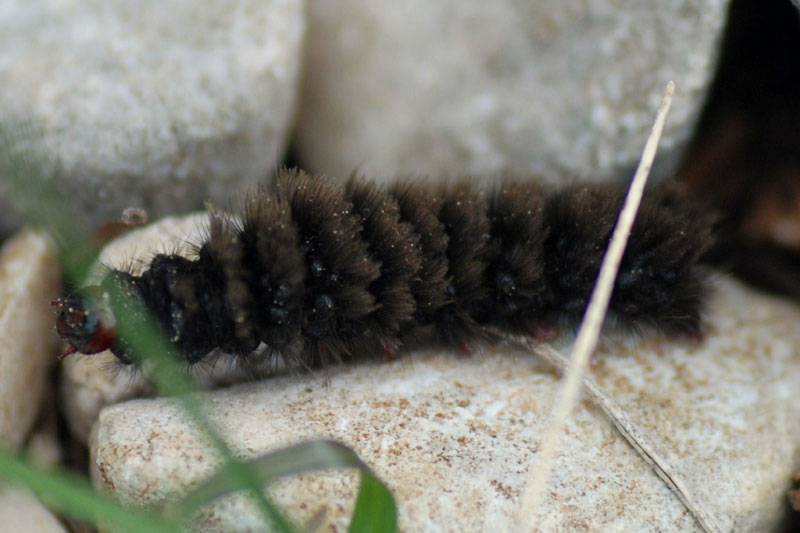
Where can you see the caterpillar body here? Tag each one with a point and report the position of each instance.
(320, 272)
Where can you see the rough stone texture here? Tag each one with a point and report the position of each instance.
(558, 88)
(91, 382)
(158, 106)
(29, 280)
(20, 511)
(454, 437)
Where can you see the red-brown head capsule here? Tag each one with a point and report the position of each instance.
(86, 322)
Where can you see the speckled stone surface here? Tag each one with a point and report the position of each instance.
(454, 436)
(563, 89)
(160, 106)
(29, 280)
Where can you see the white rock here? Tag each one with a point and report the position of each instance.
(559, 88)
(454, 437)
(157, 106)
(89, 383)
(22, 512)
(43, 446)
(29, 280)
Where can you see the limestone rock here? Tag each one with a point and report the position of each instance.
(29, 280)
(43, 445)
(455, 437)
(22, 512)
(561, 89)
(161, 106)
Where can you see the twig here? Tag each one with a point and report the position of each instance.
(628, 429)
(589, 331)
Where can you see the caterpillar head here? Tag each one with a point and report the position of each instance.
(86, 322)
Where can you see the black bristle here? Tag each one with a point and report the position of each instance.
(420, 205)
(464, 214)
(515, 274)
(658, 281)
(579, 221)
(277, 264)
(396, 246)
(319, 272)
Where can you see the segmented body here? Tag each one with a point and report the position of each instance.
(319, 272)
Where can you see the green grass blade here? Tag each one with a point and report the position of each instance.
(375, 507)
(30, 180)
(74, 496)
(140, 331)
(375, 510)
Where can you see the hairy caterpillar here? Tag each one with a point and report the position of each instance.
(321, 272)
